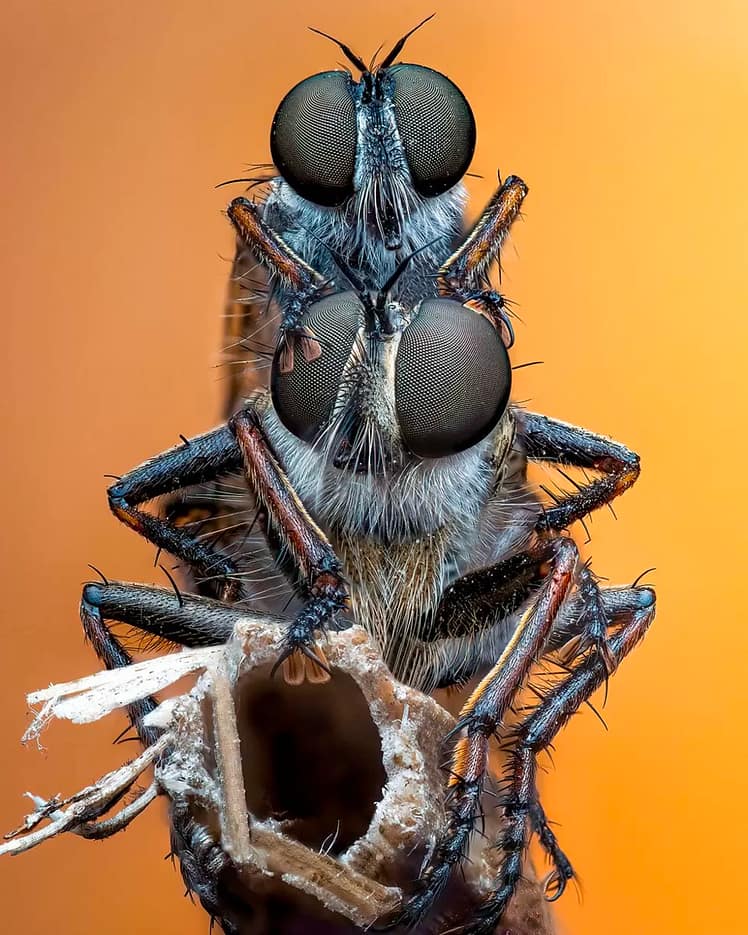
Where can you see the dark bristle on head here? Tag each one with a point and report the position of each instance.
(392, 281)
(398, 46)
(349, 54)
(358, 62)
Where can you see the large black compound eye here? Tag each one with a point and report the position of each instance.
(436, 126)
(304, 397)
(452, 379)
(313, 138)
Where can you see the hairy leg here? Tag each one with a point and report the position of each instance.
(465, 273)
(556, 442)
(184, 619)
(243, 444)
(535, 734)
(198, 460)
(566, 617)
(483, 715)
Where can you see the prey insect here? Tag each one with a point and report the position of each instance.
(389, 470)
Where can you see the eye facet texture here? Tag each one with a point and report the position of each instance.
(452, 379)
(304, 397)
(436, 126)
(313, 138)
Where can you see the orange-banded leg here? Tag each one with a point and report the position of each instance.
(483, 714)
(633, 609)
(271, 249)
(469, 765)
(465, 273)
(319, 569)
(301, 283)
(243, 444)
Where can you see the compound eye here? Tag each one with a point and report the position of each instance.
(304, 397)
(313, 138)
(452, 379)
(436, 126)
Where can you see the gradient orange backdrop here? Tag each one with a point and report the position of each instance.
(628, 122)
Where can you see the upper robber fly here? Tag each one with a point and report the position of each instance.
(370, 169)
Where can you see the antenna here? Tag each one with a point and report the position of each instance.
(390, 284)
(398, 46)
(350, 55)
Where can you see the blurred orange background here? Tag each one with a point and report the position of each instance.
(628, 123)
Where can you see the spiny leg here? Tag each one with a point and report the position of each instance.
(483, 715)
(216, 453)
(114, 656)
(574, 632)
(190, 621)
(81, 812)
(198, 460)
(167, 614)
(302, 284)
(535, 734)
(243, 444)
(466, 611)
(555, 883)
(320, 575)
(271, 250)
(557, 442)
(465, 272)
(184, 619)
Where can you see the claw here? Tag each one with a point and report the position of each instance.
(602, 648)
(316, 666)
(554, 885)
(303, 663)
(570, 650)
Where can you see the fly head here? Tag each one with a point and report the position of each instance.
(377, 151)
(376, 385)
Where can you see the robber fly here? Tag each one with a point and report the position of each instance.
(385, 461)
(370, 169)
(390, 470)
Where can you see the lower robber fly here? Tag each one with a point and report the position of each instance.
(389, 473)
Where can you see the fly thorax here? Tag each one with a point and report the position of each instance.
(394, 586)
(311, 229)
